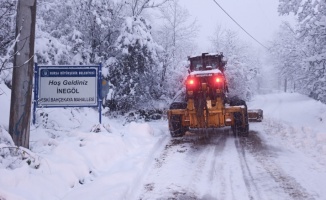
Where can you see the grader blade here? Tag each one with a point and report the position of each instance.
(255, 115)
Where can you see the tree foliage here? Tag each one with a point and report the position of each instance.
(287, 53)
(134, 76)
(77, 32)
(136, 7)
(7, 38)
(309, 50)
(116, 34)
(243, 65)
(176, 35)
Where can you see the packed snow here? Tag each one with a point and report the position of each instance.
(71, 156)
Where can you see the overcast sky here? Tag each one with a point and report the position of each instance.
(259, 17)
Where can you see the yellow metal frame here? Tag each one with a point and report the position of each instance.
(218, 115)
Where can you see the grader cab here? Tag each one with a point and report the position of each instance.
(206, 104)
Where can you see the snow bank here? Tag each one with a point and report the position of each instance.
(5, 94)
(298, 120)
(69, 156)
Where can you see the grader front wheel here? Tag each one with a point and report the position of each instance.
(175, 121)
(175, 125)
(241, 126)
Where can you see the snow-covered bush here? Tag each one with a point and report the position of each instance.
(11, 156)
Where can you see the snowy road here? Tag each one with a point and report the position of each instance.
(284, 157)
(224, 167)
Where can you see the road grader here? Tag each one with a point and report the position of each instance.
(206, 104)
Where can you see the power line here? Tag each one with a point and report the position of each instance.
(239, 25)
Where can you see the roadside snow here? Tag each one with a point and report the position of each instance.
(5, 94)
(71, 157)
(296, 119)
(71, 162)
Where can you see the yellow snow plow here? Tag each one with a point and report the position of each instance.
(206, 104)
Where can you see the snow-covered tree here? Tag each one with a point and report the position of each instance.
(80, 32)
(134, 77)
(243, 65)
(287, 57)
(176, 34)
(99, 24)
(136, 7)
(97, 31)
(94, 31)
(7, 38)
(311, 31)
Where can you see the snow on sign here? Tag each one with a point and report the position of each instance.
(67, 86)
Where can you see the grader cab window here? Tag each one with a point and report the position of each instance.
(209, 62)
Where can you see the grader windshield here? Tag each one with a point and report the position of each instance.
(207, 62)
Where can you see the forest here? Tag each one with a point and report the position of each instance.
(143, 47)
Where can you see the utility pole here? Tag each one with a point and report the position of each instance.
(22, 77)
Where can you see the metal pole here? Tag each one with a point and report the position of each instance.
(35, 91)
(100, 93)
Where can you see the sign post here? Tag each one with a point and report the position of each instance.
(99, 92)
(67, 86)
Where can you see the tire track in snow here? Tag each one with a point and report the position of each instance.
(262, 154)
(157, 147)
(196, 152)
(160, 184)
(218, 167)
(248, 178)
(216, 171)
(205, 170)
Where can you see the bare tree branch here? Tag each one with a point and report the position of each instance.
(138, 6)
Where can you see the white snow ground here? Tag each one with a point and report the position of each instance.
(134, 160)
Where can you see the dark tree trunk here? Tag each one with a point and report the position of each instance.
(22, 80)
